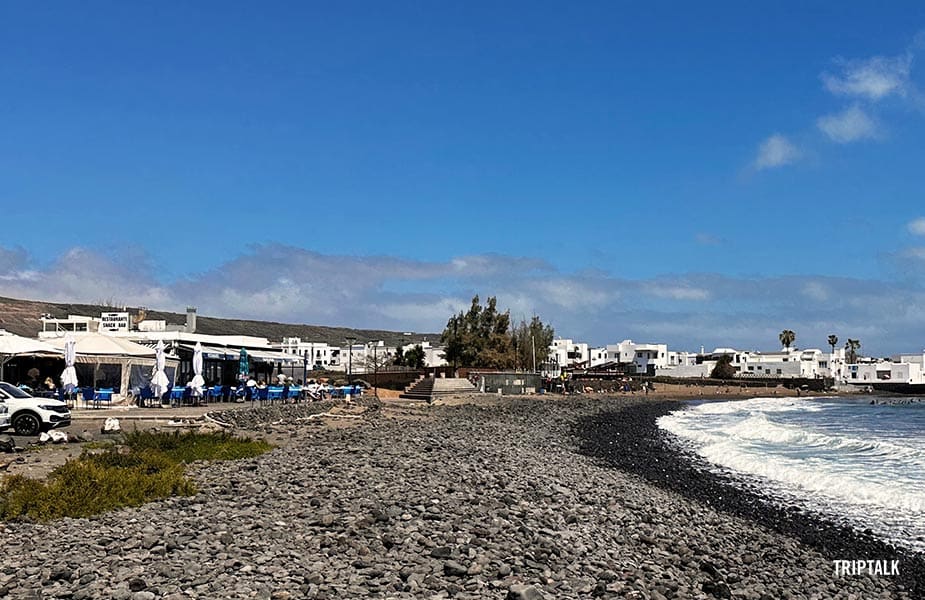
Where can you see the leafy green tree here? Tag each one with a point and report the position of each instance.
(484, 337)
(787, 337)
(528, 337)
(414, 357)
(399, 359)
(723, 368)
(833, 340)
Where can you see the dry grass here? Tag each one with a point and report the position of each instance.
(148, 467)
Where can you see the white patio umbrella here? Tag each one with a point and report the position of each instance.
(197, 382)
(69, 376)
(159, 381)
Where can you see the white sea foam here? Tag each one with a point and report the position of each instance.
(872, 477)
(845, 483)
(763, 404)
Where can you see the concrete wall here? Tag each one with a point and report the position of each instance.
(510, 383)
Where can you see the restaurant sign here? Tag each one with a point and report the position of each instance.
(114, 321)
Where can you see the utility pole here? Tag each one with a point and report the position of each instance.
(350, 341)
(455, 344)
(533, 344)
(375, 371)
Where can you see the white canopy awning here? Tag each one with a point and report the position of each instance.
(220, 353)
(215, 352)
(97, 344)
(15, 345)
(270, 356)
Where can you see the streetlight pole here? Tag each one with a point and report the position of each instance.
(375, 370)
(350, 341)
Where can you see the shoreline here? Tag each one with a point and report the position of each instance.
(651, 456)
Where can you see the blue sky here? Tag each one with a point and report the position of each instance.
(696, 175)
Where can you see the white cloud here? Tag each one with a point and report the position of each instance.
(294, 285)
(776, 151)
(917, 226)
(573, 293)
(849, 125)
(678, 292)
(816, 291)
(872, 79)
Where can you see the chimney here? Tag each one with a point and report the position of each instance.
(191, 319)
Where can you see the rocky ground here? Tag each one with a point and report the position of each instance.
(499, 499)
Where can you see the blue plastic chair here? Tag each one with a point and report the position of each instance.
(103, 395)
(145, 396)
(88, 394)
(274, 393)
(176, 395)
(263, 394)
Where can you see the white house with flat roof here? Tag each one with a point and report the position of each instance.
(318, 355)
(568, 353)
(811, 363)
(644, 358)
(433, 355)
(904, 368)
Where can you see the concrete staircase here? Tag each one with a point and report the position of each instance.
(429, 388)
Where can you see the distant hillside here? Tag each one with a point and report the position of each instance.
(23, 317)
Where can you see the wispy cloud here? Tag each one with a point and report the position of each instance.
(872, 78)
(867, 82)
(775, 151)
(849, 125)
(282, 283)
(917, 226)
(13, 263)
(816, 291)
(707, 239)
(916, 253)
(680, 291)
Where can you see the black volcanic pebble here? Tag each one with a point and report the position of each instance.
(630, 440)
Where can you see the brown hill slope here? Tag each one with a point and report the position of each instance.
(23, 317)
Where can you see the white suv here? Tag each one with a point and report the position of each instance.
(4, 417)
(29, 415)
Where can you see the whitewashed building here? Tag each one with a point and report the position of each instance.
(644, 358)
(810, 364)
(901, 369)
(433, 355)
(568, 353)
(318, 355)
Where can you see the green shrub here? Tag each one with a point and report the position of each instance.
(149, 467)
(189, 447)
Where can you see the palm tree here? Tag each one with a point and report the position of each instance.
(787, 337)
(852, 347)
(833, 340)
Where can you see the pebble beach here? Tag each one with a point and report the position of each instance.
(544, 497)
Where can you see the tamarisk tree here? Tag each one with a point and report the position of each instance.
(483, 337)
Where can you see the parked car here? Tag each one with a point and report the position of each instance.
(4, 417)
(29, 415)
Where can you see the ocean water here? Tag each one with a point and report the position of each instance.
(850, 460)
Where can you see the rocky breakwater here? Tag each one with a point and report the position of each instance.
(464, 502)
